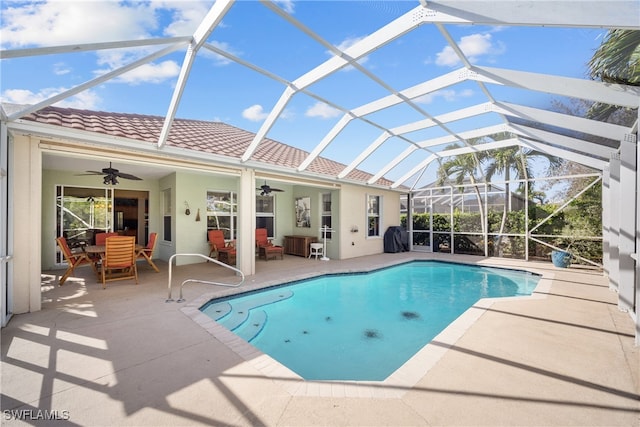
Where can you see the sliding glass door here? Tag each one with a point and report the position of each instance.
(81, 212)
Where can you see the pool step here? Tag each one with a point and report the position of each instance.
(253, 326)
(236, 315)
(218, 310)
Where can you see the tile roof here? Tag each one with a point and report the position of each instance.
(197, 135)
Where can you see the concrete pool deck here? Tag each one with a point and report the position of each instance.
(123, 356)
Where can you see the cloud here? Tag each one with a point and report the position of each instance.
(60, 69)
(448, 95)
(474, 47)
(151, 73)
(255, 113)
(346, 44)
(88, 99)
(322, 110)
(53, 23)
(287, 5)
(48, 23)
(219, 59)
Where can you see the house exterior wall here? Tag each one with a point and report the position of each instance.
(353, 214)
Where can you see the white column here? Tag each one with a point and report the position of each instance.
(606, 220)
(246, 260)
(614, 225)
(627, 240)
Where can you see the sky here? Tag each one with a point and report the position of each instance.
(222, 90)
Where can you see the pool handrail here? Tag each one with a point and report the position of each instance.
(181, 299)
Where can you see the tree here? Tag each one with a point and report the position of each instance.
(514, 160)
(460, 168)
(617, 60)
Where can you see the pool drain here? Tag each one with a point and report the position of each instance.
(410, 315)
(372, 333)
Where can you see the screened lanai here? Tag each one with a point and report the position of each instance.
(394, 88)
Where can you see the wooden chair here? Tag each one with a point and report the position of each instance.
(262, 238)
(119, 259)
(102, 237)
(74, 259)
(217, 243)
(147, 251)
(265, 247)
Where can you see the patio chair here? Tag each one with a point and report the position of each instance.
(265, 247)
(147, 251)
(217, 243)
(101, 237)
(262, 238)
(74, 259)
(119, 259)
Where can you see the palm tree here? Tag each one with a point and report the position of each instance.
(617, 60)
(460, 168)
(514, 160)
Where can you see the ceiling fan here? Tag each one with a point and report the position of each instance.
(266, 189)
(111, 175)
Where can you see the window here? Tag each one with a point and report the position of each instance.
(222, 211)
(325, 215)
(265, 214)
(166, 212)
(373, 215)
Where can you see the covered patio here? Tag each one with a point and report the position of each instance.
(564, 356)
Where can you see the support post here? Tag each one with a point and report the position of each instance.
(627, 211)
(246, 259)
(614, 227)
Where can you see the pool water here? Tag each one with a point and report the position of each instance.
(362, 326)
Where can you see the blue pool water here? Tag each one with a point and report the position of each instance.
(362, 326)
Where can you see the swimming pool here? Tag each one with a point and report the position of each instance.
(362, 326)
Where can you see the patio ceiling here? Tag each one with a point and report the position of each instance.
(411, 146)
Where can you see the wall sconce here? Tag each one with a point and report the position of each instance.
(198, 215)
(187, 211)
(354, 228)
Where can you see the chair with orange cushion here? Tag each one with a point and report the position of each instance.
(265, 247)
(217, 243)
(262, 238)
(102, 237)
(147, 251)
(74, 259)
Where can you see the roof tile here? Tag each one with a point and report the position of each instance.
(198, 135)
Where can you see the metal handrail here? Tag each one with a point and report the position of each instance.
(181, 299)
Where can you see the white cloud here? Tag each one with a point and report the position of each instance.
(473, 46)
(185, 15)
(322, 110)
(65, 22)
(346, 44)
(151, 73)
(255, 113)
(448, 95)
(84, 100)
(60, 68)
(287, 5)
(218, 59)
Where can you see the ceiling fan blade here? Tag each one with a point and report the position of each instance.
(127, 176)
(89, 173)
(277, 189)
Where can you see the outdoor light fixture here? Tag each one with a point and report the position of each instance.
(110, 180)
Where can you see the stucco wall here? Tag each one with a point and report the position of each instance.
(353, 214)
